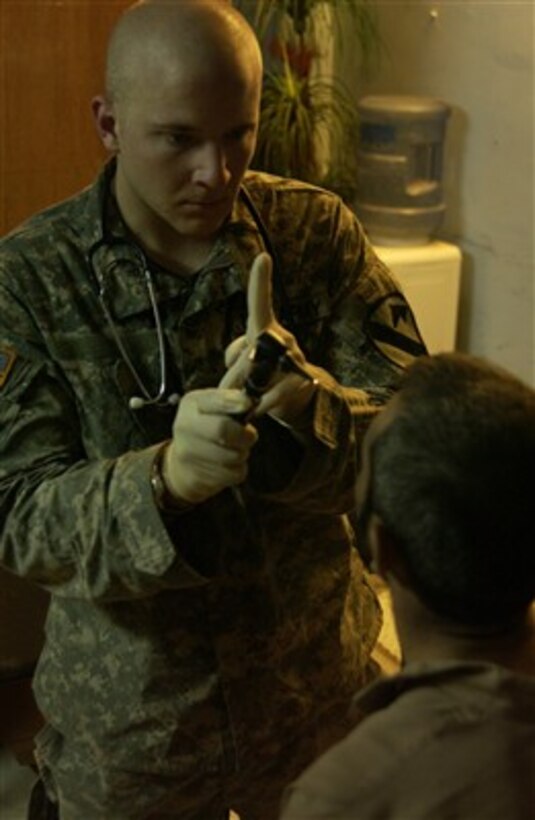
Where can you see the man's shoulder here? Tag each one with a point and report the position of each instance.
(421, 744)
(300, 212)
(58, 222)
(271, 189)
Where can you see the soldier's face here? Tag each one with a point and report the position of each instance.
(183, 145)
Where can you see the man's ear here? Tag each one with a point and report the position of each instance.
(386, 556)
(106, 123)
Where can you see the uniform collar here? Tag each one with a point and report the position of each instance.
(484, 677)
(119, 263)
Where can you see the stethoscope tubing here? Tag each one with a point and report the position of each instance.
(160, 398)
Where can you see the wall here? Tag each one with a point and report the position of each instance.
(478, 56)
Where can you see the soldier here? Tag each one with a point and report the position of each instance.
(209, 618)
(445, 505)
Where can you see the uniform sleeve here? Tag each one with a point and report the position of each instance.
(80, 527)
(357, 329)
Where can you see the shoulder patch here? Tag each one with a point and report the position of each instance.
(7, 360)
(392, 328)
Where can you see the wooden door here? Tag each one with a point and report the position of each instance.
(52, 58)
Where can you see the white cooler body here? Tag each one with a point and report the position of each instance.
(430, 276)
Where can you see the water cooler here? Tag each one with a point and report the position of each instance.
(430, 277)
(400, 203)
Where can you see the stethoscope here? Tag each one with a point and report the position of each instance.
(137, 402)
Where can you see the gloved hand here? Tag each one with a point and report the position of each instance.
(209, 449)
(289, 393)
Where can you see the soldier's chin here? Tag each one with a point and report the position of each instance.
(199, 227)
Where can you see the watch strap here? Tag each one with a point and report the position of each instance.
(163, 498)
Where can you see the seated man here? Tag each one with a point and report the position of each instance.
(445, 508)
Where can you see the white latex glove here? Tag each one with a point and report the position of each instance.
(209, 449)
(289, 393)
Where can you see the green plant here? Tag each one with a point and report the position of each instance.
(308, 122)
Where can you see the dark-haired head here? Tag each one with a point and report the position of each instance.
(450, 471)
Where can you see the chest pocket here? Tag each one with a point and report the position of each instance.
(102, 384)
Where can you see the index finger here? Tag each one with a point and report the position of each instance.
(216, 401)
(259, 296)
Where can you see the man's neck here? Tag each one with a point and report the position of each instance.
(184, 257)
(178, 254)
(425, 637)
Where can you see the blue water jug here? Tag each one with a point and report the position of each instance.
(400, 156)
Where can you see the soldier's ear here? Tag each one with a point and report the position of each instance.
(386, 556)
(105, 122)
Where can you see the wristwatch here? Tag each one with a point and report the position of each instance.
(165, 500)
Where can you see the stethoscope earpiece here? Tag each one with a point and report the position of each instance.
(137, 402)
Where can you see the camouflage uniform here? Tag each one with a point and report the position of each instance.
(199, 660)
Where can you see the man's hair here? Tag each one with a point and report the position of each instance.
(453, 479)
(150, 29)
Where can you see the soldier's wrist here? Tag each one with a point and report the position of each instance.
(164, 498)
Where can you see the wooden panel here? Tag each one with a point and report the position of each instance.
(51, 65)
(23, 610)
(20, 719)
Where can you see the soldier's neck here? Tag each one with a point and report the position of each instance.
(178, 253)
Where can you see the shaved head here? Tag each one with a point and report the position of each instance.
(180, 115)
(199, 36)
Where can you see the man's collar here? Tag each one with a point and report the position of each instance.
(97, 204)
(384, 691)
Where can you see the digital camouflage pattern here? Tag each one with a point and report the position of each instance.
(197, 655)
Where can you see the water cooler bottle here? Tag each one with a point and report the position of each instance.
(400, 203)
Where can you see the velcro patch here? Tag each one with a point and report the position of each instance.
(7, 360)
(391, 326)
